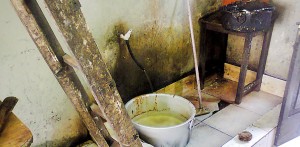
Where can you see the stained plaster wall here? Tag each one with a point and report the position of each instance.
(281, 46)
(160, 41)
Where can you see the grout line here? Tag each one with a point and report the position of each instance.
(217, 129)
(251, 110)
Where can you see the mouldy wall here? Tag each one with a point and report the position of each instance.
(160, 39)
(282, 41)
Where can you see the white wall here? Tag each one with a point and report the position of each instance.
(43, 106)
(283, 38)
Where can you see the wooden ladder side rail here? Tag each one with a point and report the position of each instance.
(64, 74)
(72, 24)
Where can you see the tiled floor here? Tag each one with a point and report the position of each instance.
(202, 132)
(232, 120)
(260, 102)
(262, 130)
(258, 113)
(269, 121)
(257, 134)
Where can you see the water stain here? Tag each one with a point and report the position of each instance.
(161, 45)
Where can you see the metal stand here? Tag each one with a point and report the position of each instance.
(211, 22)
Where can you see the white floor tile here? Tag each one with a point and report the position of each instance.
(232, 120)
(260, 102)
(196, 121)
(270, 120)
(257, 134)
(205, 136)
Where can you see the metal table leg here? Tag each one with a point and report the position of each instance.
(244, 65)
(203, 54)
(263, 58)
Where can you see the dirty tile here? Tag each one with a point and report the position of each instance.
(257, 134)
(270, 120)
(203, 117)
(205, 136)
(223, 89)
(260, 102)
(211, 106)
(232, 119)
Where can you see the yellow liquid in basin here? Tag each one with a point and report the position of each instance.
(159, 119)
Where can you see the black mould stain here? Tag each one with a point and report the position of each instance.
(163, 51)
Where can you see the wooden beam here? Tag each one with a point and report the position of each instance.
(5, 109)
(64, 74)
(72, 24)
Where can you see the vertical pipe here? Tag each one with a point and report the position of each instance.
(194, 53)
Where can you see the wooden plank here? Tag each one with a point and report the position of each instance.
(71, 22)
(65, 75)
(232, 73)
(5, 109)
(15, 133)
(269, 84)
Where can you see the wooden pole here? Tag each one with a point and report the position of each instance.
(72, 25)
(49, 48)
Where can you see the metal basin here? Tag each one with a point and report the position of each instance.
(162, 134)
(248, 16)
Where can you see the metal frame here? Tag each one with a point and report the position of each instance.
(212, 22)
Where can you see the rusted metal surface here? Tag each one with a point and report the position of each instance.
(71, 22)
(65, 75)
(263, 56)
(248, 16)
(212, 22)
(244, 67)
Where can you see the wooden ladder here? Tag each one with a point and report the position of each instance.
(88, 60)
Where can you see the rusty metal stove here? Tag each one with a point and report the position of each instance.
(211, 27)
